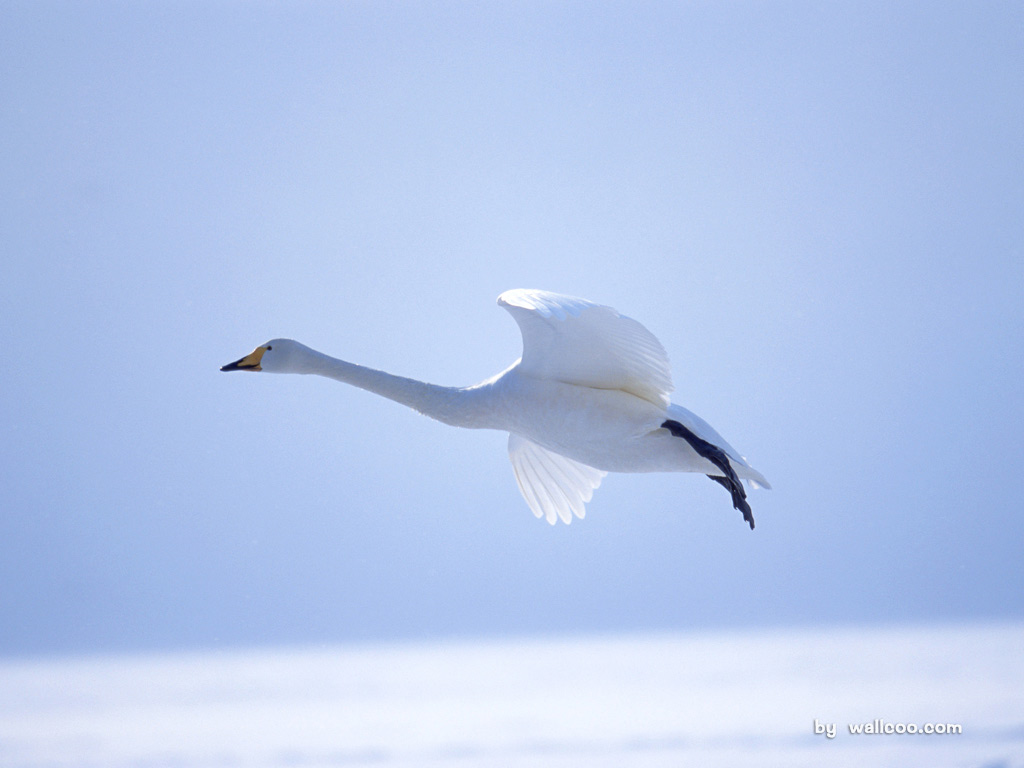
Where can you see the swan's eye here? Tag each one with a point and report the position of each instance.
(269, 347)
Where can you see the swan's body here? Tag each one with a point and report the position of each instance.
(590, 395)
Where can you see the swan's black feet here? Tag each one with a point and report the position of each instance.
(716, 456)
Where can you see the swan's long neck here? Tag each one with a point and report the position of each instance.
(460, 407)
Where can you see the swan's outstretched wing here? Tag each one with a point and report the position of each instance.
(577, 342)
(554, 486)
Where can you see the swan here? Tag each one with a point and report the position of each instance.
(589, 396)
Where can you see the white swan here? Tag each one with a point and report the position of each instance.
(590, 395)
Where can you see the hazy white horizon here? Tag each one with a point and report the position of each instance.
(717, 699)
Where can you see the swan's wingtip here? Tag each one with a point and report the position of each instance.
(520, 297)
(508, 298)
(546, 303)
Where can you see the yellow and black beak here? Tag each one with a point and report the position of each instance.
(250, 362)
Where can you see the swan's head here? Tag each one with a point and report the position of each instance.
(277, 356)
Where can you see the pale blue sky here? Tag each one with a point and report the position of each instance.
(816, 207)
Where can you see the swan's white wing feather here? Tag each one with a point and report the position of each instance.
(577, 342)
(555, 487)
(705, 431)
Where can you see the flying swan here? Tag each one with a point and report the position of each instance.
(589, 396)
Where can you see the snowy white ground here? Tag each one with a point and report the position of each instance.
(723, 699)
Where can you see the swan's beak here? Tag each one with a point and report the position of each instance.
(250, 362)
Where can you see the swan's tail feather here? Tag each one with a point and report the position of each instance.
(755, 478)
